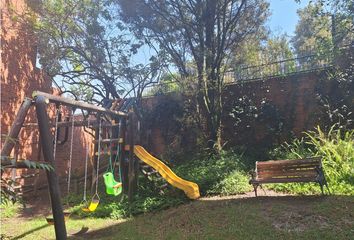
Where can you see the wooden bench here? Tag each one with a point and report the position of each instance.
(289, 171)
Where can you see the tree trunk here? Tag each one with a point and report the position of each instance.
(214, 129)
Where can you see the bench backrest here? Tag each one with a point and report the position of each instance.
(297, 170)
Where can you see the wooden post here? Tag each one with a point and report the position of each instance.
(122, 158)
(137, 140)
(132, 175)
(16, 127)
(53, 183)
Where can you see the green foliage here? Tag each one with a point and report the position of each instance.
(35, 165)
(82, 91)
(87, 50)
(167, 84)
(323, 26)
(223, 174)
(217, 174)
(9, 209)
(148, 199)
(8, 193)
(234, 183)
(337, 151)
(249, 117)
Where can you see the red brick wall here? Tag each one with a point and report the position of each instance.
(19, 75)
(19, 78)
(294, 98)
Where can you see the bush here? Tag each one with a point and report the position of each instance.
(9, 209)
(148, 199)
(337, 151)
(217, 174)
(235, 183)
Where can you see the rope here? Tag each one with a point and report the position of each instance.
(71, 149)
(110, 167)
(99, 153)
(56, 133)
(86, 159)
(115, 162)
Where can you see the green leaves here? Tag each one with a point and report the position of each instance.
(12, 163)
(218, 174)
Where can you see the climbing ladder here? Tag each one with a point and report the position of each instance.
(30, 185)
(153, 176)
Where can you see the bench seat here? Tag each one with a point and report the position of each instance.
(288, 171)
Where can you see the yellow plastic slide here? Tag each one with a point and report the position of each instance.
(191, 189)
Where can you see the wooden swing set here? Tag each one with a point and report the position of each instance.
(122, 127)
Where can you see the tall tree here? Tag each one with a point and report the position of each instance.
(85, 47)
(201, 31)
(324, 25)
(312, 31)
(336, 89)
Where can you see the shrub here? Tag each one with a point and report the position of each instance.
(235, 183)
(148, 199)
(9, 209)
(217, 174)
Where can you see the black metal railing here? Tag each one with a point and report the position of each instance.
(279, 68)
(305, 63)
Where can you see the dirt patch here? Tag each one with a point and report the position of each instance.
(299, 222)
(302, 213)
(261, 193)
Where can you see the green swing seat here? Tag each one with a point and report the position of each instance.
(112, 186)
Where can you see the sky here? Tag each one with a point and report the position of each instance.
(284, 17)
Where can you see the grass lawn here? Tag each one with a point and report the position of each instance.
(281, 217)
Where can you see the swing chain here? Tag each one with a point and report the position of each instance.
(56, 130)
(71, 148)
(99, 153)
(86, 159)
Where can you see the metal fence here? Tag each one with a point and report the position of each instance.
(279, 68)
(306, 63)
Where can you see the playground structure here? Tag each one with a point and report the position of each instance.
(122, 145)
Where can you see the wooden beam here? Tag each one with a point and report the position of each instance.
(82, 123)
(77, 104)
(113, 140)
(53, 182)
(11, 138)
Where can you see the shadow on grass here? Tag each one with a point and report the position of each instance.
(239, 218)
(30, 232)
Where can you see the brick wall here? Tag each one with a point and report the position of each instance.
(19, 78)
(293, 98)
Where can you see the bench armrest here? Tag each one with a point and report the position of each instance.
(253, 174)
